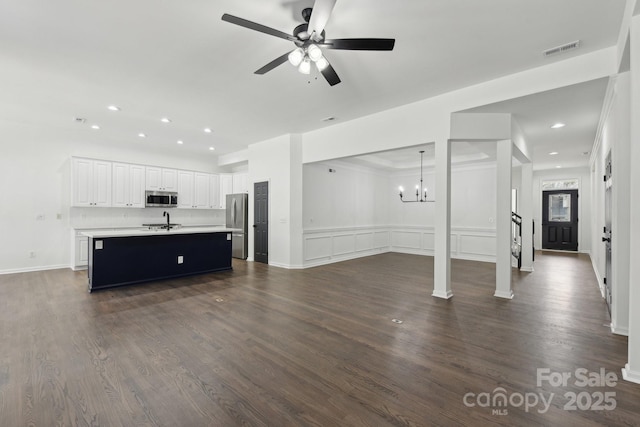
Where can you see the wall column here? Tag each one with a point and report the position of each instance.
(526, 211)
(442, 258)
(631, 371)
(503, 220)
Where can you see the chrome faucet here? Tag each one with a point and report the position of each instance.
(165, 213)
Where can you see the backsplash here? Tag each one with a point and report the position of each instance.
(128, 217)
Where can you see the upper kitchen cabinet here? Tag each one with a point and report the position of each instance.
(161, 179)
(193, 190)
(240, 183)
(214, 192)
(128, 185)
(226, 187)
(91, 182)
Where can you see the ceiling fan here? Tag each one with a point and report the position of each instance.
(309, 38)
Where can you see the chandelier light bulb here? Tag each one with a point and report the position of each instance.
(296, 56)
(305, 66)
(314, 52)
(322, 63)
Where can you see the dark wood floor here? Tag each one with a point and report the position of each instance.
(266, 346)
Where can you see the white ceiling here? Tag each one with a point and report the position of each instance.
(72, 58)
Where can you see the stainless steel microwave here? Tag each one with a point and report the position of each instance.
(161, 199)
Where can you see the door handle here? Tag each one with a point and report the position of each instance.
(606, 239)
(255, 225)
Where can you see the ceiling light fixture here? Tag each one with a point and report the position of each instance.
(553, 153)
(96, 127)
(165, 120)
(142, 135)
(180, 142)
(211, 149)
(303, 57)
(558, 167)
(558, 126)
(113, 108)
(207, 130)
(420, 197)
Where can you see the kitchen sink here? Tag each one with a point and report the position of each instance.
(162, 226)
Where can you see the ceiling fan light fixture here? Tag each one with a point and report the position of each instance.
(296, 57)
(305, 66)
(314, 52)
(322, 63)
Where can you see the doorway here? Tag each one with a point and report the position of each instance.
(261, 222)
(560, 220)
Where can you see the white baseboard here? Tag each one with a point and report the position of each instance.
(629, 375)
(527, 269)
(505, 295)
(444, 295)
(619, 331)
(32, 269)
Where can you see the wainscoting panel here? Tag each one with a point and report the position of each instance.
(317, 247)
(364, 241)
(324, 246)
(344, 244)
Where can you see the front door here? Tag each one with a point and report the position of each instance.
(261, 222)
(560, 220)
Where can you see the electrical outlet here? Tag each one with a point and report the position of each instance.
(59, 216)
(180, 259)
(32, 254)
(40, 217)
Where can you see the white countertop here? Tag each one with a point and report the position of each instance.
(146, 232)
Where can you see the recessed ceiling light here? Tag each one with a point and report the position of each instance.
(113, 108)
(96, 127)
(558, 167)
(142, 135)
(553, 153)
(558, 126)
(180, 142)
(165, 120)
(207, 130)
(211, 148)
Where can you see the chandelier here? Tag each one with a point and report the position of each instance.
(420, 197)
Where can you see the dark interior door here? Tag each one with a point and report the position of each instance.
(607, 230)
(560, 220)
(261, 222)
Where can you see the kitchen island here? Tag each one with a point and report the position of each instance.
(123, 257)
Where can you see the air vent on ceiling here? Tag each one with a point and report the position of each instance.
(562, 49)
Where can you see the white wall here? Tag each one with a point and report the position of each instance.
(615, 138)
(584, 203)
(356, 211)
(35, 180)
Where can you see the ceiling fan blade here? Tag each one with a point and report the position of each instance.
(320, 16)
(257, 27)
(273, 64)
(359, 44)
(330, 75)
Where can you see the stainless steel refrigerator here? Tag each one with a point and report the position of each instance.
(238, 218)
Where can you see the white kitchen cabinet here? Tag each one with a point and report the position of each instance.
(193, 190)
(240, 183)
(226, 187)
(161, 179)
(81, 256)
(91, 183)
(185, 189)
(128, 185)
(214, 192)
(201, 183)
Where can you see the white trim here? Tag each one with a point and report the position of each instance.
(444, 295)
(32, 269)
(505, 295)
(619, 331)
(598, 278)
(629, 375)
(604, 116)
